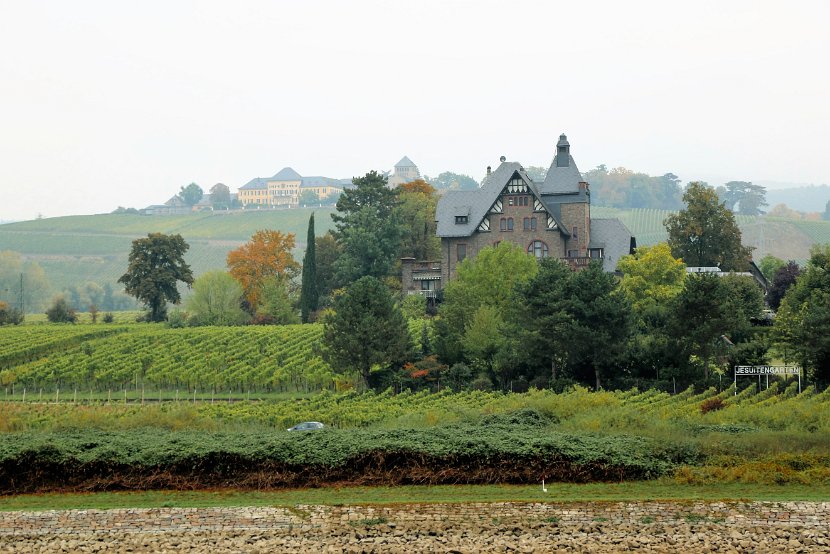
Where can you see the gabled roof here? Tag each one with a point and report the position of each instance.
(256, 183)
(286, 174)
(613, 237)
(477, 203)
(405, 162)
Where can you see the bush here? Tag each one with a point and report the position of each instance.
(712, 405)
(177, 319)
(61, 312)
(108, 317)
(9, 315)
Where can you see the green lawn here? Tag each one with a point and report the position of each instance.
(594, 492)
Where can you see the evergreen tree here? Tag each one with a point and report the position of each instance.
(309, 296)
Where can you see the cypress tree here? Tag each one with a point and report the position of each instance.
(309, 295)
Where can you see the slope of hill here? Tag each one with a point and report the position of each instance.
(77, 249)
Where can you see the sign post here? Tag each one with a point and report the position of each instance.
(741, 370)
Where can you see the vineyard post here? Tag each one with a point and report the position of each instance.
(125, 395)
(142, 393)
(75, 396)
(40, 396)
(177, 396)
(109, 396)
(194, 395)
(24, 394)
(57, 394)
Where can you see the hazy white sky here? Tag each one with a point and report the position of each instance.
(121, 103)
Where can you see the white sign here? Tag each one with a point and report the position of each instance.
(767, 370)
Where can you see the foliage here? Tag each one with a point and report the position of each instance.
(651, 276)
(276, 306)
(35, 285)
(220, 196)
(416, 211)
(577, 319)
(769, 266)
(366, 330)
(9, 315)
(784, 278)
(309, 296)
(156, 264)
(216, 300)
(61, 312)
(326, 252)
(309, 197)
(267, 255)
(488, 279)
(623, 188)
(803, 321)
(748, 197)
(705, 232)
(368, 230)
(191, 194)
(414, 307)
(454, 181)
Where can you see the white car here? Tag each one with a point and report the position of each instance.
(307, 426)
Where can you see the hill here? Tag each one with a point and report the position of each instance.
(74, 250)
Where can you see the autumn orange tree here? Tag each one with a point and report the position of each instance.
(267, 256)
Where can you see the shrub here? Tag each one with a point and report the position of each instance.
(712, 405)
(108, 317)
(61, 312)
(9, 315)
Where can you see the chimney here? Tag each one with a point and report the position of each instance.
(489, 169)
(563, 152)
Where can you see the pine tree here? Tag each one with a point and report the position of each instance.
(309, 296)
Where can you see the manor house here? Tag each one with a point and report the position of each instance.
(546, 218)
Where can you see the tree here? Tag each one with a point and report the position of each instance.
(23, 284)
(748, 197)
(10, 315)
(701, 315)
(309, 297)
(216, 300)
(826, 215)
(326, 252)
(577, 319)
(488, 279)
(366, 330)
(769, 266)
(454, 181)
(537, 173)
(802, 323)
(156, 264)
(782, 210)
(782, 280)
(220, 196)
(416, 211)
(277, 304)
(309, 198)
(267, 254)
(705, 232)
(191, 194)
(651, 276)
(61, 312)
(367, 229)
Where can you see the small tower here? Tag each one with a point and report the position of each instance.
(563, 151)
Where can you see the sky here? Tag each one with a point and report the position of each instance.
(106, 104)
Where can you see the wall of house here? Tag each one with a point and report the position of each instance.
(519, 236)
(577, 215)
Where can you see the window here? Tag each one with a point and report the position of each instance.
(509, 223)
(595, 253)
(532, 223)
(538, 249)
(461, 252)
(426, 284)
(509, 200)
(575, 233)
(502, 224)
(573, 253)
(459, 219)
(526, 224)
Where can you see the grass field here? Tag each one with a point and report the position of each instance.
(557, 492)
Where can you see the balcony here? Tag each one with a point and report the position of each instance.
(425, 293)
(580, 262)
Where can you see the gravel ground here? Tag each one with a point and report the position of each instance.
(479, 533)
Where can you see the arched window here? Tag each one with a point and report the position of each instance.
(509, 223)
(538, 248)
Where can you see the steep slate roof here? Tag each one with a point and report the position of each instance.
(613, 237)
(562, 179)
(286, 174)
(318, 181)
(405, 162)
(256, 183)
(476, 203)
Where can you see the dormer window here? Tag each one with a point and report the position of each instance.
(460, 219)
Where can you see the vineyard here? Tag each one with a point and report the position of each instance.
(155, 357)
